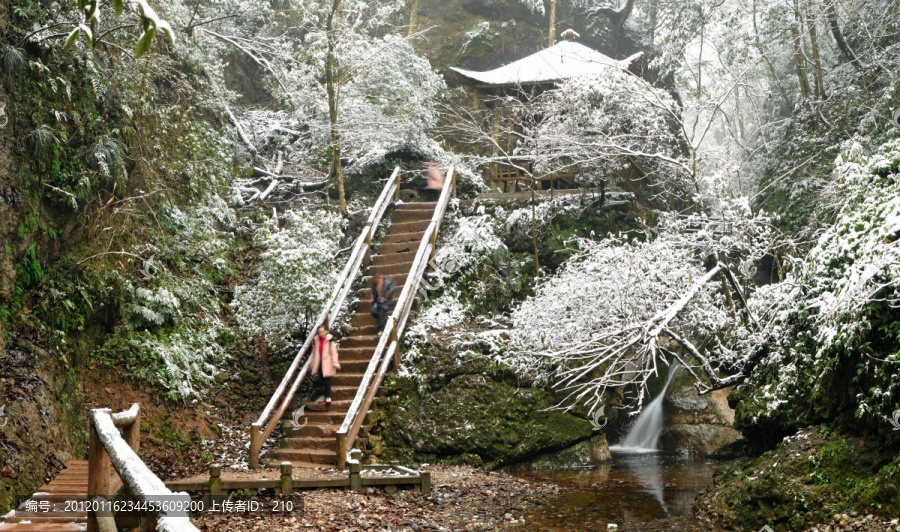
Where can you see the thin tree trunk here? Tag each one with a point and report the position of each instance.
(331, 68)
(414, 17)
(814, 44)
(552, 39)
(846, 51)
(654, 13)
(537, 262)
(775, 79)
(799, 61)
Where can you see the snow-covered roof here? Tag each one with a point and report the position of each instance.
(567, 59)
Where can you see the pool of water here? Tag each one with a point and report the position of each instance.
(636, 491)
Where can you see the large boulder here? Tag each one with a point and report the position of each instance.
(588, 453)
(696, 424)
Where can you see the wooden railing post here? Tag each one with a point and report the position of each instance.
(341, 451)
(396, 186)
(287, 481)
(99, 465)
(255, 445)
(395, 338)
(215, 485)
(132, 433)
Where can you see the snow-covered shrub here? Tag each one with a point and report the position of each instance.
(834, 317)
(622, 306)
(294, 275)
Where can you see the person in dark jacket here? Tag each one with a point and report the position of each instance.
(382, 297)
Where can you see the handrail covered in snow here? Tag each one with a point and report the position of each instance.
(388, 347)
(258, 434)
(113, 463)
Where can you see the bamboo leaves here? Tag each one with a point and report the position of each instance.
(148, 20)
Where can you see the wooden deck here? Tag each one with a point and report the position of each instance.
(46, 511)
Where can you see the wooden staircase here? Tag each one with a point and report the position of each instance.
(46, 509)
(315, 444)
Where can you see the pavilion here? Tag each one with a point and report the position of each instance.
(535, 73)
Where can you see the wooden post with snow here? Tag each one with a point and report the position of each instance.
(114, 464)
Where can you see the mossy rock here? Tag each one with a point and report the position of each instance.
(475, 416)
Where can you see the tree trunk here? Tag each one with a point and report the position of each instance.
(654, 14)
(846, 51)
(814, 45)
(799, 61)
(552, 39)
(775, 79)
(537, 262)
(331, 68)
(413, 17)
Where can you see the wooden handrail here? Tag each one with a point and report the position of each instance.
(388, 348)
(113, 463)
(330, 311)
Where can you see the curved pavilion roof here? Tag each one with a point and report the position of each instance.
(564, 60)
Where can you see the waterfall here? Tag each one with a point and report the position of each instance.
(645, 434)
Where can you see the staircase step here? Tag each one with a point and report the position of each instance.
(355, 366)
(393, 271)
(406, 257)
(412, 215)
(417, 206)
(346, 379)
(338, 405)
(396, 236)
(312, 430)
(409, 227)
(359, 319)
(326, 444)
(360, 341)
(330, 417)
(315, 456)
(399, 247)
(399, 282)
(364, 295)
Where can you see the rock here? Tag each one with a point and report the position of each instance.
(697, 424)
(249, 377)
(590, 452)
(475, 420)
(221, 377)
(699, 440)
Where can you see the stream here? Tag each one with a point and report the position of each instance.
(637, 490)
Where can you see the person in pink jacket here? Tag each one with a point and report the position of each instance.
(325, 362)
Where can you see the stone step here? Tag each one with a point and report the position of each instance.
(380, 261)
(412, 215)
(346, 379)
(409, 227)
(399, 282)
(338, 405)
(360, 341)
(395, 271)
(355, 366)
(417, 206)
(315, 456)
(399, 247)
(311, 430)
(330, 417)
(363, 318)
(325, 444)
(396, 236)
(364, 295)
